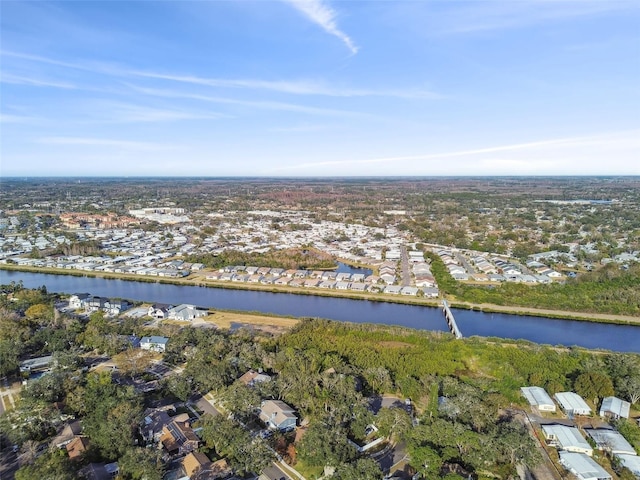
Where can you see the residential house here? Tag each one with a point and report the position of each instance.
(115, 307)
(431, 292)
(197, 465)
(39, 364)
(611, 441)
(99, 471)
(411, 291)
(68, 433)
(95, 303)
(583, 467)
(252, 377)
(632, 462)
(154, 343)
(154, 422)
(572, 403)
(179, 437)
(277, 415)
(159, 310)
(77, 447)
(566, 438)
(186, 312)
(613, 407)
(539, 398)
(388, 278)
(76, 301)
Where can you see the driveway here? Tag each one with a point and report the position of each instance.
(203, 404)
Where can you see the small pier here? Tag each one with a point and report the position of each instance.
(451, 321)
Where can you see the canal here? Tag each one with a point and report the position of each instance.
(620, 338)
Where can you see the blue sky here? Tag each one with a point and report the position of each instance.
(307, 88)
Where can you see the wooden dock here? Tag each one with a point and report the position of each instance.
(451, 321)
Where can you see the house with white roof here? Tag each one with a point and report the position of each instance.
(566, 438)
(614, 407)
(278, 415)
(632, 462)
(572, 403)
(186, 312)
(583, 467)
(539, 398)
(611, 441)
(154, 343)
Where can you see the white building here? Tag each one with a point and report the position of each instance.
(610, 441)
(539, 398)
(632, 462)
(566, 438)
(583, 467)
(614, 407)
(154, 343)
(572, 403)
(186, 312)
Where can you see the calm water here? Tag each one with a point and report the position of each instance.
(621, 338)
(344, 268)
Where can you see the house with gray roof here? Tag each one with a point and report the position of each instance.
(632, 462)
(566, 438)
(572, 403)
(615, 408)
(278, 415)
(583, 467)
(539, 398)
(611, 441)
(186, 312)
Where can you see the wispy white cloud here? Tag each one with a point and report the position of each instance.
(35, 82)
(293, 87)
(299, 87)
(102, 142)
(122, 112)
(261, 104)
(319, 12)
(544, 153)
(490, 15)
(10, 118)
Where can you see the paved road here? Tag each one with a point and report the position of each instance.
(274, 472)
(468, 267)
(393, 459)
(404, 266)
